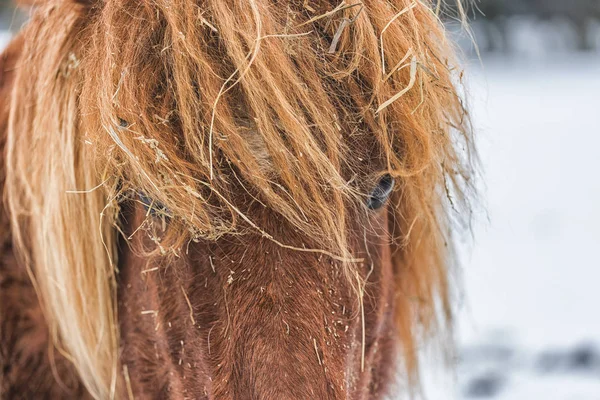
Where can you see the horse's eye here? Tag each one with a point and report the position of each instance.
(381, 192)
(152, 207)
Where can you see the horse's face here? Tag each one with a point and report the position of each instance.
(267, 311)
(245, 317)
(273, 175)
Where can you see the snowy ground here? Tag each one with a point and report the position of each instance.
(530, 327)
(4, 38)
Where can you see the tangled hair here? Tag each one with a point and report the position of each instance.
(191, 101)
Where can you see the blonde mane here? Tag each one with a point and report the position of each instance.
(168, 97)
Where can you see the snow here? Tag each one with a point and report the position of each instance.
(4, 38)
(532, 276)
(532, 265)
(529, 328)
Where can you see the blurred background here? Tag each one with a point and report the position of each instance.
(528, 326)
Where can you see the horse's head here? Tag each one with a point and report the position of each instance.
(238, 199)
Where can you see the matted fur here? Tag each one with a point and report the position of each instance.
(191, 103)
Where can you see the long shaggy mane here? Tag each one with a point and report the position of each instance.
(188, 102)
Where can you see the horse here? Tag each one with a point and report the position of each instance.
(227, 199)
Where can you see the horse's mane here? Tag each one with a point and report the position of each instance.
(167, 98)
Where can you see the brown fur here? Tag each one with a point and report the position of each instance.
(259, 319)
(257, 273)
